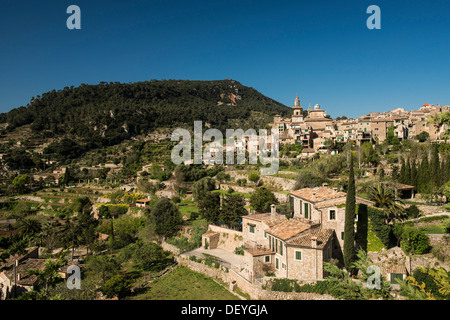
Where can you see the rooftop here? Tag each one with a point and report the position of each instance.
(289, 228)
(22, 271)
(305, 239)
(267, 218)
(143, 200)
(318, 194)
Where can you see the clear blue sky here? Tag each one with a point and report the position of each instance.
(321, 50)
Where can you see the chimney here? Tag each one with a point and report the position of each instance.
(314, 242)
(18, 277)
(335, 189)
(273, 210)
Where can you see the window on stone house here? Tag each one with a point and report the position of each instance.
(298, 255)
(342, 235)
(267, 259)
(332, 214)
(252, 229)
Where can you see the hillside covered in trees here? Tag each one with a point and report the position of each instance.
(109, 113)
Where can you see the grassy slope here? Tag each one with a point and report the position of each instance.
(185, 284)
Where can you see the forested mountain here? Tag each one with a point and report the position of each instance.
(109, 113)
(113, 109)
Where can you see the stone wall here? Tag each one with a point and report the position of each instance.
(168, 247)
(281, 197)
(255, 291)
(277, 182)
(436, 238)
(228, 239)
(225, 186)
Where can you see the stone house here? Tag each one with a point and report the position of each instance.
(325, 207)
(292, 247)
(142, 203)
(289, 248)
(15, 281)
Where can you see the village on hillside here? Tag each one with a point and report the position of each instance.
(350, 195)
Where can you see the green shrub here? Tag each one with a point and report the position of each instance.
(414, 241)
(381, 229)
(239, 250)
(412, 211)
(422, 275)
(284, 285)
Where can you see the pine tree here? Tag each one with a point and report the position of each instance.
(349, 227)
(362, 228)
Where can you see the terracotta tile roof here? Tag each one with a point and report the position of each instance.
(305, 239)
(267, 218)
(394, 268)
(401, 186)
(23, 267)
(317, 194)
(20, 257)
(342, 200)
(143, 200)
(289, 228)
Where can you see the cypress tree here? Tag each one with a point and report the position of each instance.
(395, 173)
(424, 175)
(442, 175)
(414, 173)
(362, 227)
(447, 169)
(435, 167)
(349, 227)
(407, 172)
(401, 177)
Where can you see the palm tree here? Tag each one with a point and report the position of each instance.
(384, 197)
(49, 276)
(29, 226)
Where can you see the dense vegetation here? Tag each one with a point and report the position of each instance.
(108, 113)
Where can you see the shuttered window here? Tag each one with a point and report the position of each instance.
(395, 276)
